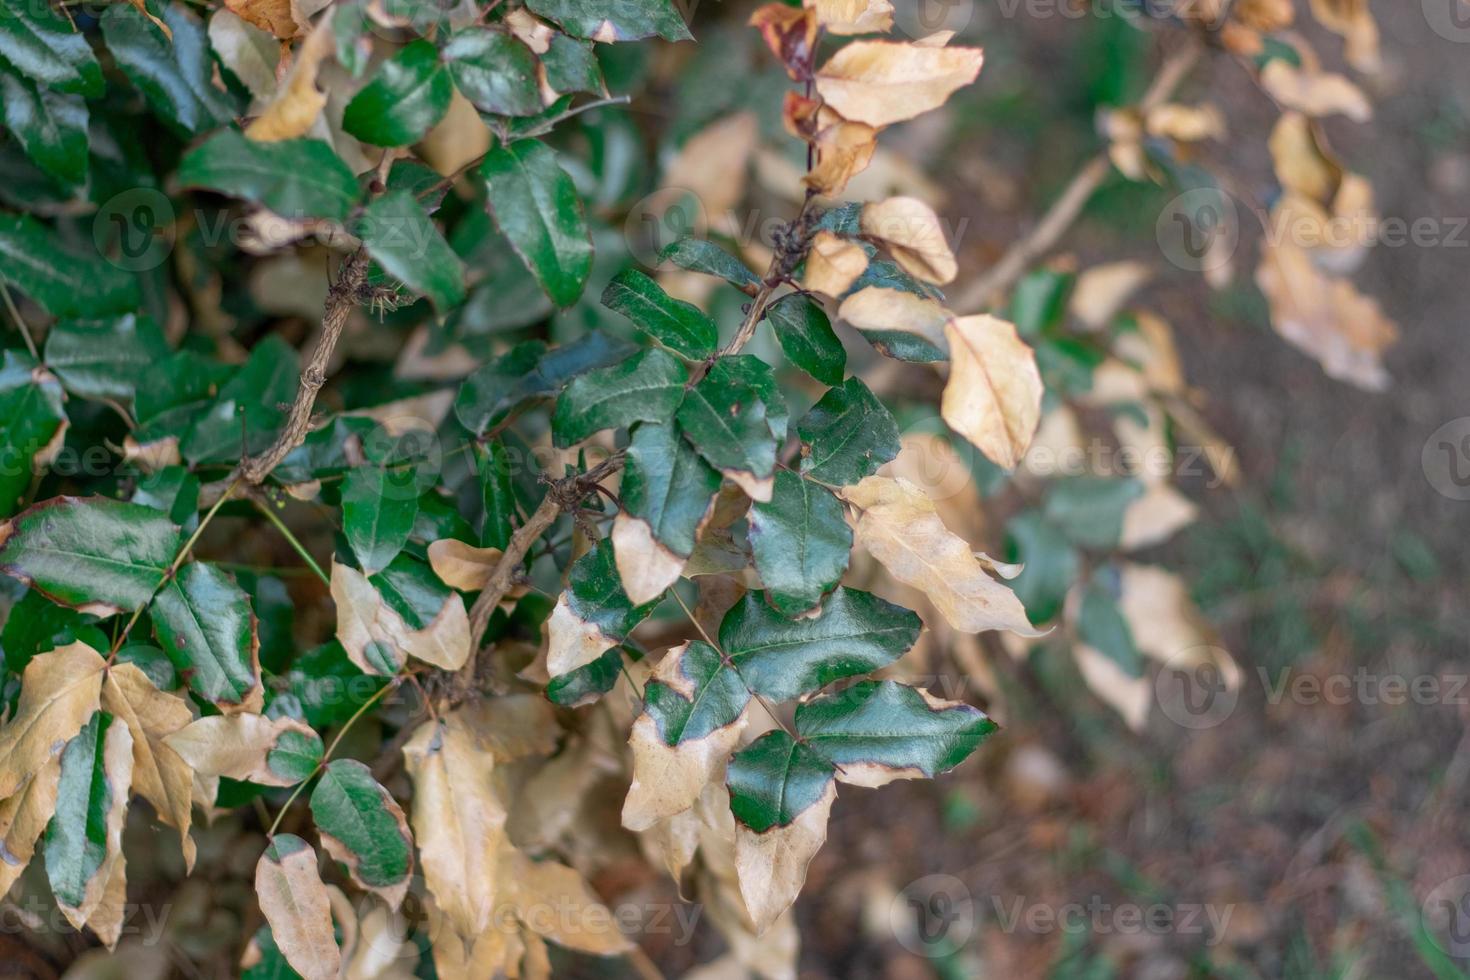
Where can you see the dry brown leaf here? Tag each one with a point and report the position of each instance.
(23, 816)
(668, 779)
(367, 627)
(993, 396)
(458, 139)
(914, 236)
(572, 642)
(463, 566)
(278, 17)
(512, 726)
(1101, 291)
(772, 866)
(1155, 517)
(646, 567)
(535, 34)
(296, 904)
(1302, 162)
(1185, 123)
(791, 34)
(1315, 93)
(160, 775)
(878, 308)
(853, 16)
(884, 82)
(833, 264)
(842, 149)
(899, 526)
(555, 902)
(237, 746)
(59, 691)
(299, 102)
(458, 821)
(1129, 696)
(1353, 21)
(712, 165)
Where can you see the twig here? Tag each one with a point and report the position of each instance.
(265, 508)
(20, 323)
(1065, 210)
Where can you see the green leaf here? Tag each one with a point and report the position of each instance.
(715, 697)
(205, 625)
(681, 327)
(105, 358)
(52, 126)
(801, 543)
(701, 255)
(494, 70)
(586, 684)
(249, 408)
(595, 595)
(647, 387)
(76, 841)
(571, 66)
(498, 496)
(362, 826)
(854, 633)
(44, 46)
(295, 756)
(407, 96)
(847, 435)
(61, 282)
(614, 20)
(667, 485)
(807, 338)
(35, 625)
(529, 371)
(175, 75)
(403, 239)
(1049, 565)
(175, 391)
(90, 551)
(1100, 624)
(536, 206)
(735, 417)
(880, 730)
(1040, 301)
(378, 510)
(773, 780)
(32, 416)
(1089, 509)
(173, 490)
(302, 178)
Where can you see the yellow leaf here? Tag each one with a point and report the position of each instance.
(884, 82)
(833, 264)
(368, 625)
(299, 102)
(772, 865)
(668, 779)
(463, 566)
(899, 526)
(853, 16)
(59, 691)
(912, 232)
(296, 904)
(236, 746)
(993, 396)
(160, 775)
(555, 902)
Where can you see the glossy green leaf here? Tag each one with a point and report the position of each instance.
(407, 96)
(586, 684)
(529, 371)
(807, 338)
(75, 844)
(32, 416)
(362, 826)
(714, 696)
(301, 178)
(736, 418)
(378, 510)
(52, 126)
(1039, 301)
(647, 387)
(801, 543)
(701, 255)
(497, 494)
(44, 46)
(536, 207)
(681, 327)
(847, 435)
(595, 595)
(90, 551)
(248, 408)
(175, 74)
(875, 730)
(174, 392)
(35, 625)
(615, 20)
(774, 779)
(104, 358)
(494, 70)
(403, 239)
(1089, 509)
(854, 633)
(667, 485)
(61, 282)
(173, 490)
(205, 625)
(571, 66)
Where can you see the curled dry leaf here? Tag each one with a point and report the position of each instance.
(911, 231)
(295, 902)
(884, 82)
(374, 633)
(23, 816)
(160, 775)
(853, 16)
(833, 264)
(842, 148)
(59, 692)
(1315, 93)
(899, 526)
(993, 396)
(298, 104)
(882, 310)
(463, 566)
(791, 34)
(268, 751)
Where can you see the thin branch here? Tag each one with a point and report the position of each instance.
(20, 322)
(984, 291)
(265, 508)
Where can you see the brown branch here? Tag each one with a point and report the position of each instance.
(1065, 210)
